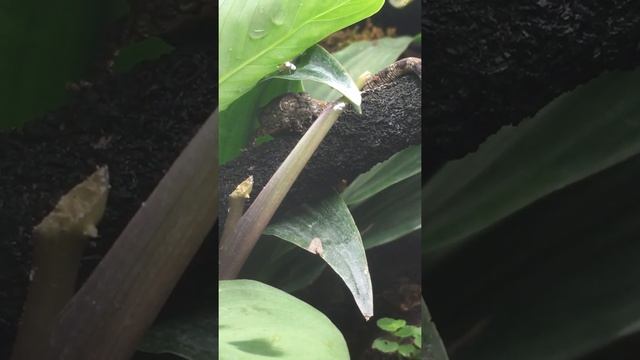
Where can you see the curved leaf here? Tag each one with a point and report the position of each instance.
(391, 214)
(361, 56)
(398, 167)
(242, 116)
(257, 36)
(282, 265)
(44, 45)
(326, 228)
(258, 321)
(577, 135)
(577, 254)
(317, 65)
(189, 336)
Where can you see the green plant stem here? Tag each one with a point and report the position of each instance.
(255, 220)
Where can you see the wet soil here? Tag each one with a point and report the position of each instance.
(135, 123)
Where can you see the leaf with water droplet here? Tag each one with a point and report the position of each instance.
(277, 15)
(291, 26)
(257, 33)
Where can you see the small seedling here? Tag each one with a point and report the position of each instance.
(401, 339)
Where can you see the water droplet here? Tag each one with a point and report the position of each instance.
(277, 15)
(257, 33)
(260, 22)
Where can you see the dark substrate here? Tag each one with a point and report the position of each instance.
(492, 63)
(390, 121)
(136, 123)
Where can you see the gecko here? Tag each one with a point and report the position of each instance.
(295, 112)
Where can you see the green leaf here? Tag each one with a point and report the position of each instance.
(242, 115)
(44, 45)
(282, 265)
(390, 325)
(577, 135)
(407, 350)
(327, 229)
(148, 49)
(584, 294)
(258, 321)
(255, 37)
(407, 331)
(417, 39)
(359, 57)
(385, 346)
(317, 65)
(189, 336)
(390, 214)
(398, 167)
(432, 345)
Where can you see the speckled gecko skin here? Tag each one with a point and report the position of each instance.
(295, 112)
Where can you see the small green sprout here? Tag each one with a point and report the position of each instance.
(402, 339)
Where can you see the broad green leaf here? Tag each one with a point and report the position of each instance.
(577, 135)
(272, 88)
(408, 330)
(385, 346)
(432, 345)
(359, 57)
(255, 37)
(390, 325)
(44, 45)
(257, 321)
(282, 265)
(190, 336)
(326, 228)
(148, 49)
(391, 171)
(391, 214)
(577, 251)
(242, 116)
(407, 350)
(317, 65)
(387, 216)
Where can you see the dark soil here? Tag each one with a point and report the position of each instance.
(493, 63)
(136, 123)
(390, 121)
